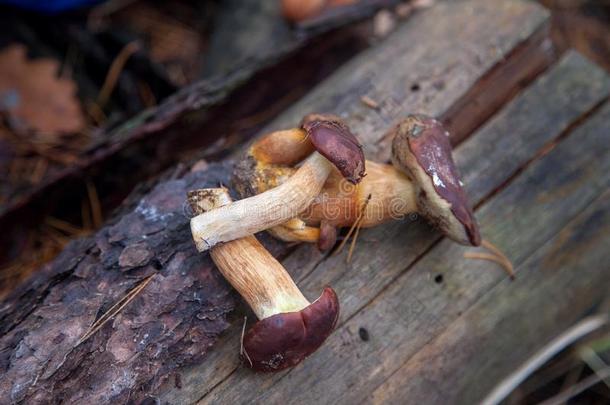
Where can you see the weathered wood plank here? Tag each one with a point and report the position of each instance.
(425, 52)
(415, 307)
(480, 103)
(425, 66)
(382, 256)
(560, 283)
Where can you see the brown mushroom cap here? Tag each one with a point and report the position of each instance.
(284, 340)
(333, 139)
(421, 148)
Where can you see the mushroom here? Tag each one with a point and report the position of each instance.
(421, 149)
(331, 145)
(423, 179)
(290, 328)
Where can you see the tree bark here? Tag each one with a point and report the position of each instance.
(172, 322)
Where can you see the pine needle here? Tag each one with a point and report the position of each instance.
(63, 226)
(355, 225)
(353, 244)
(114, 72)
(115, 309)
(242, 351)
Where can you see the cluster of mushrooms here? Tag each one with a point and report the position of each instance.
(301, 185)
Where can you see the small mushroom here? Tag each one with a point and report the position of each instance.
(423, 179)
(422, 150)
(333, 145)
(290, 328)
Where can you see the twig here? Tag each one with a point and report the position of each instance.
(565, 396)
(115, 70)
(582, 328)
(589, 356)
(572, 377)
(115, 309)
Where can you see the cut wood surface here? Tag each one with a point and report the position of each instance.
(557, 285)
(405, 288)
(392, 288)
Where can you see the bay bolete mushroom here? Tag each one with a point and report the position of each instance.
(332, 146)
(290, 328)
(423, 179)
(421, 149)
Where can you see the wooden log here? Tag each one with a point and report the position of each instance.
(560, 283)
(401, 310)
(551, 263)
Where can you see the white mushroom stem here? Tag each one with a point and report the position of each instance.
(259, 278)
(262, 211)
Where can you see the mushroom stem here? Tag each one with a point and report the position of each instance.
(392, 196)
(261, 280)
(262, 211)
(258, 277)
(290, 327)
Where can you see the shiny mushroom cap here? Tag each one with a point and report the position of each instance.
(421, 149)
(284, 340)
(271, 159)
(334, 140)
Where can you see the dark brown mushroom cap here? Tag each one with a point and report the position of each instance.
(284, 340)
(334, 140)
(421, 148)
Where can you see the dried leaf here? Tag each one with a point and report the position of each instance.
(34, 96)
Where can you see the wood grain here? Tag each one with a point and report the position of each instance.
(417, 305)
(425, 67)
(560, 283)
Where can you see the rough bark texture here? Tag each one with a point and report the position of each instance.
(172, 322)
